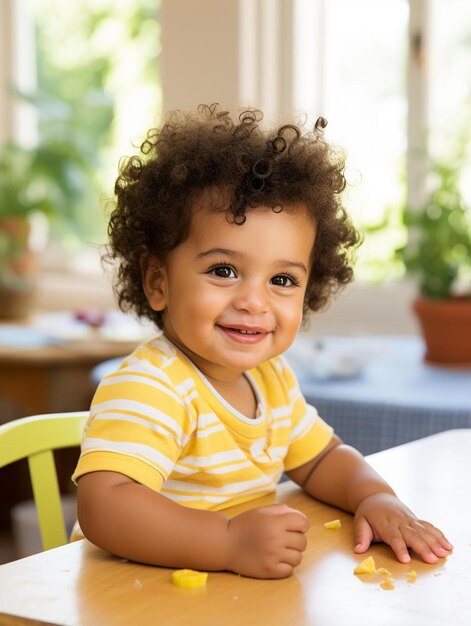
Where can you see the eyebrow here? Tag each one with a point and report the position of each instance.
(233, 253)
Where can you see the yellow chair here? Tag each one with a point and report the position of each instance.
(35, 438)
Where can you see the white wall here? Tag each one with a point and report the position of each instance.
(200, 52)
(235, 52)
(363, 309)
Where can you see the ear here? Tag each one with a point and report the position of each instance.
(154, 282)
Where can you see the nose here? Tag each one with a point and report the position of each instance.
(252, 298)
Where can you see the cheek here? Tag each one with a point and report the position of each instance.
(198, 303)
(296, 321)
(294, 307)
(292, 313)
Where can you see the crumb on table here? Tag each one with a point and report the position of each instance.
(366, 567)
(333, 525)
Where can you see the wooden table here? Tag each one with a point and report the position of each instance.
(52, 378)
(47, 379)
(79, 584)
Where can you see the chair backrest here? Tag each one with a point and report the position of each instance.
(35, 438)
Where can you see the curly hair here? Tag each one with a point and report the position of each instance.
(195, 152)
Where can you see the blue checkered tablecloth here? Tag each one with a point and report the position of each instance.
(378, 392)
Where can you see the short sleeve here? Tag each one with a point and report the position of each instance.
(138, 425)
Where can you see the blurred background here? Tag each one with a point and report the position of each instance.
(80, 84)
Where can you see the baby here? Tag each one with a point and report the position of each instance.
(225, 235)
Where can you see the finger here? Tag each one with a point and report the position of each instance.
(297, 521)
(283, 509)
(398, 545)
(291, 557)
(446, 544)
(296, 541)
(278, 509)
(433, 537)
(438, 542)
(363, 534)
(281, 570)
(424, 540)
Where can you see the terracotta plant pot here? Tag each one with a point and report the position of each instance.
(446, 327)
(18, 268)
(16, 304)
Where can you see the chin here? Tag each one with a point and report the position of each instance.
(249, 363)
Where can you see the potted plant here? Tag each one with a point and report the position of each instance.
(438, 254)
(42, 181)
(57, 179)
(17, 204)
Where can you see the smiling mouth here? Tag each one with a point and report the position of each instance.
(244, 331)
(244, 335)
(250, 332)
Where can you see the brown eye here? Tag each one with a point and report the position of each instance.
(223, 271)
(283, 280)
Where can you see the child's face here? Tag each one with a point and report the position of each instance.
(232, 295)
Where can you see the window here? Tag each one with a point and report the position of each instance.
(450, 61)
(351, 66)
(89, 70)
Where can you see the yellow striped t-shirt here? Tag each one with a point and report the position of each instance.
(159, 421)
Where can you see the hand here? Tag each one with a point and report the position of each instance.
(267, 542)
(383, 517)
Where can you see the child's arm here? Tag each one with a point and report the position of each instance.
(340, 476)
(130, 520)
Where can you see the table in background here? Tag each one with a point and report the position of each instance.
(46, 378)
(43, 371)
(79, 584)
(395, 398)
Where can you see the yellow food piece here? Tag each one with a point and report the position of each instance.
(387, 584)
(366, 567)
(333, 525)
(188, 578)
(384, 571)
(411, 576)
